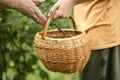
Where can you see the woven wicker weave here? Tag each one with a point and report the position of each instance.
(62, 53)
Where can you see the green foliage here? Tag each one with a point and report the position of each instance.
(18, 60)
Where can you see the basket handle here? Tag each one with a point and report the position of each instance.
(48, 22)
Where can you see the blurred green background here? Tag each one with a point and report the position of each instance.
(18, 60)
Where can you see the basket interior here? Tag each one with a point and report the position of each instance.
(63, 34)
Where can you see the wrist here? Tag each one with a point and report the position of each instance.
(75, 2)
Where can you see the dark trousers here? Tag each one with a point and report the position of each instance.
(103, 65)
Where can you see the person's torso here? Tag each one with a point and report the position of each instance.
(100, 19)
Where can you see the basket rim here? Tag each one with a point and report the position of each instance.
(60, 39)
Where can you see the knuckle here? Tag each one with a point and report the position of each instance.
(60, 14)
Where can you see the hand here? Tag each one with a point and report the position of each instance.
(26, 7)
(62, 8)
(38, 1)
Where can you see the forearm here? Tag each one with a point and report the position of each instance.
(3, 2)
(80, 1)
(6, 3)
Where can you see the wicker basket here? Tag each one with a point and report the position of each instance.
(62, 53)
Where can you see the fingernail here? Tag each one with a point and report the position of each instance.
(48, 14)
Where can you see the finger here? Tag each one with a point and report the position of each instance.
(53, 10)
(34, 13)
(30, 10)
(58, 14)
(39, 1)
(39, 17)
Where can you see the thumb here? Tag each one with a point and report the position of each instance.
(53, 10)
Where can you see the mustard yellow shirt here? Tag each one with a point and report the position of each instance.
(101, 21)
